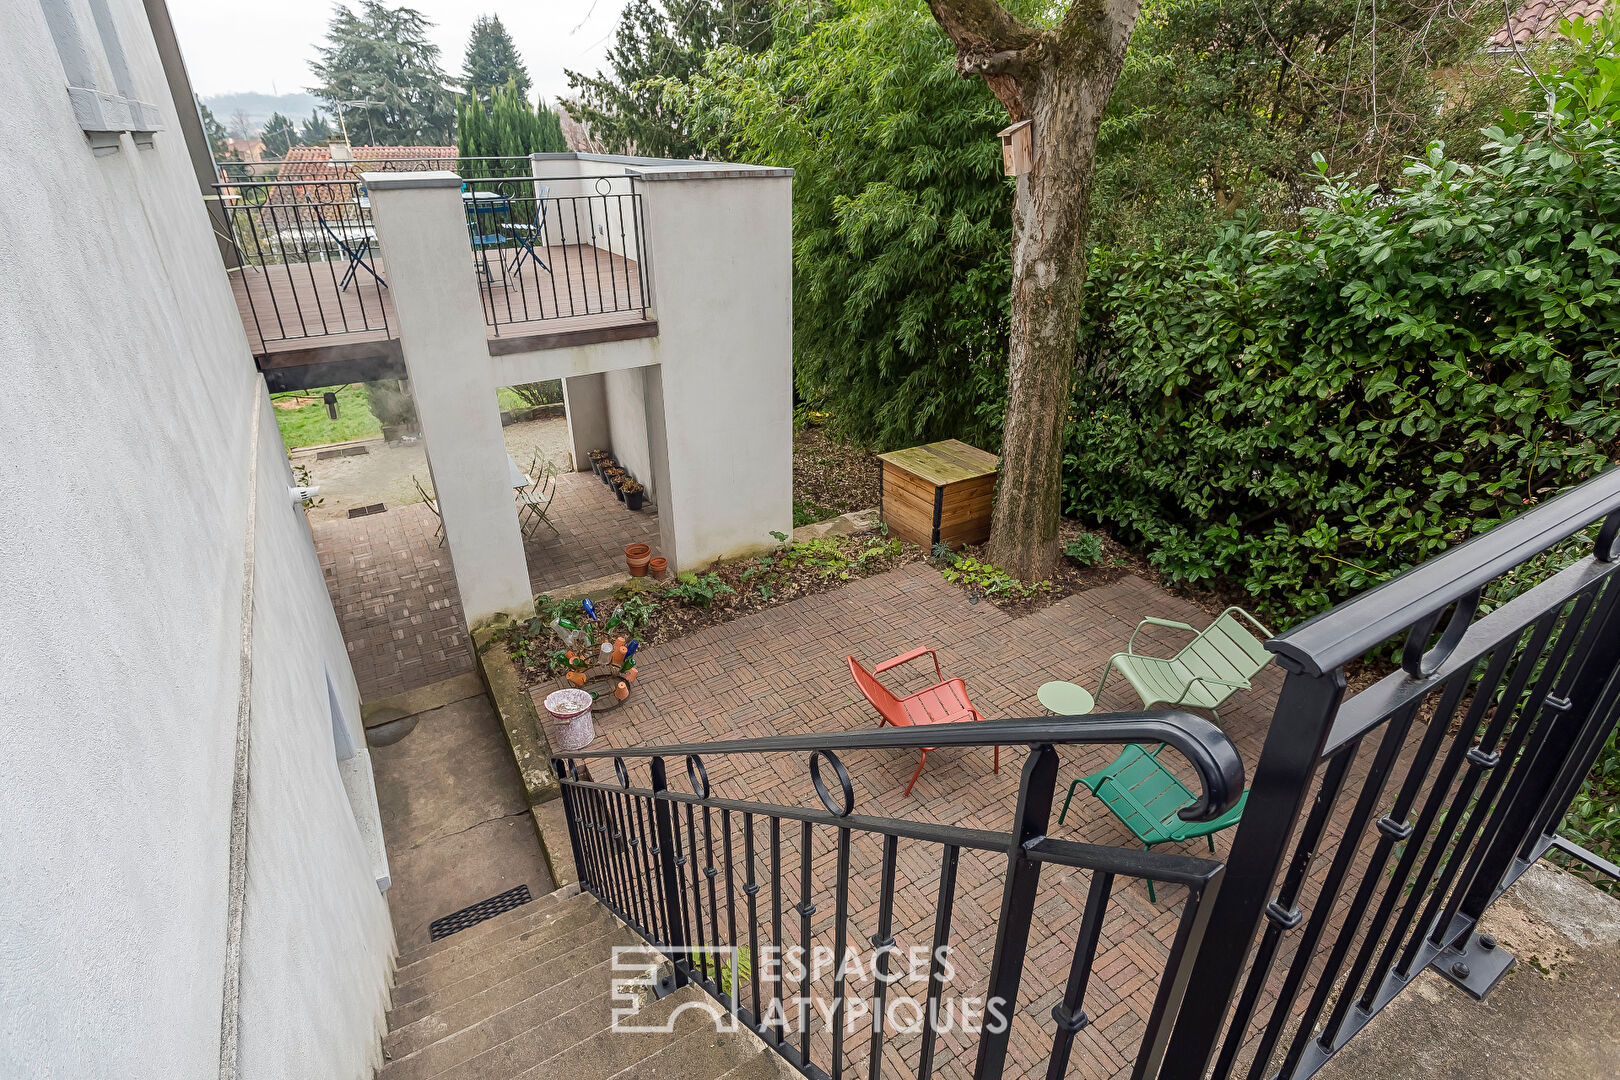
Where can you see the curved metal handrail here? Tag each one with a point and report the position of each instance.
(1205, 746)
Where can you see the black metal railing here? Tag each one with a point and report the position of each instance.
(1428, 793)
(556, 248)
(695, 873)
(306, 257)
(1377, 831)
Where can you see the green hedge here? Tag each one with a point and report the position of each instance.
(1307, 413)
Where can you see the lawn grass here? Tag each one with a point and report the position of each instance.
(310, 426)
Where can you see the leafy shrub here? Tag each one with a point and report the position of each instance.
(988, 579)
(701, 591)
(1307, 413)
(1085, 549)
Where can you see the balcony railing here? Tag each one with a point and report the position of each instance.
(556, 249)
(308, 266)
(1349, 874)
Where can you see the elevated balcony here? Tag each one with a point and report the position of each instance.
(556, 244)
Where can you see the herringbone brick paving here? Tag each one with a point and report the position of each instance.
(783, 671)
(394, 589)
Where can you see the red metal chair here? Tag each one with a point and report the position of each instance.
(946, 702)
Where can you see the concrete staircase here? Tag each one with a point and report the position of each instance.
(527, 994)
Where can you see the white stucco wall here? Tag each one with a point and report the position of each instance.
(125, 455)
(585, 405)
(626, 399)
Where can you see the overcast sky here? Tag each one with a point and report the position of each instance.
(266, 47)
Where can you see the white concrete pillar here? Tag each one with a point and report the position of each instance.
(719, 241)
(422, 231)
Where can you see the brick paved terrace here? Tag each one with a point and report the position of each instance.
(394, 589)
(783, 671)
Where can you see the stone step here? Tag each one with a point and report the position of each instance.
(766, 1065)
(536, 1013)
(609, 1052)
(508, 962)
(503, 995)
(555, 1040)
(569, 921)
(706, 1054)
(494, 926)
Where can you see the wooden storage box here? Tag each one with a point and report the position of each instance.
(939, 493)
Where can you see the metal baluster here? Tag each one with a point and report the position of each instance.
(751, 890)
(649, 852)
(668, 867)
(579, 256)
(1070, 1013)
(731, 909)
(1030, 821)
(701, 954)
(805, 909)
(710, 873)
(621, 810)
(596, 253)
(551, 261)
(776, 926)
(883, 942)
(943, 904)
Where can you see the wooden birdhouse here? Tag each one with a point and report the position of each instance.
(1017, 149)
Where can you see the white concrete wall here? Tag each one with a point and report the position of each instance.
(585, 404)
(720, 372)
(125, 442)
(626, 398)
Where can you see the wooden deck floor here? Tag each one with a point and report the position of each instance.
(302, 313)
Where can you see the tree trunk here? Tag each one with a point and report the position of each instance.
(1051, 217)
(1060, 80)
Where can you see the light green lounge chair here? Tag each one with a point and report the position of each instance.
(1147, 798)
(1216, 664)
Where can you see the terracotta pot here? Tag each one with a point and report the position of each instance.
(659, 567)
(628, 675)
(636, 557)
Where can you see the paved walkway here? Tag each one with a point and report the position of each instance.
(395, 593)
(455, 819)
(784, 671)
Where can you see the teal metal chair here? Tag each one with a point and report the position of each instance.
(1148, 799)
(1218, 662)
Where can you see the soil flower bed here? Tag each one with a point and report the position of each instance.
(656, 612)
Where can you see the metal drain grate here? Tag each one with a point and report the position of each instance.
(367, 511)
(472, 916)
(344, 451)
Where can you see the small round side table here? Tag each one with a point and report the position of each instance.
(1066, 698)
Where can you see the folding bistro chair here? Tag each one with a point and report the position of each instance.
(433, 505)
(356, 256)
(533, 233)
(534, 502)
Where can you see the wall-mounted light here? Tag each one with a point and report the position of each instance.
(331, 404)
